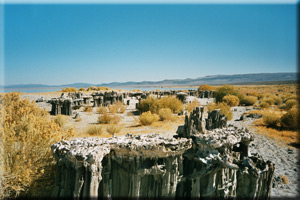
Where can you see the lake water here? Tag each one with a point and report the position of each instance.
(55, 89)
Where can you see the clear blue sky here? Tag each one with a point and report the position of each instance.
(59, 44)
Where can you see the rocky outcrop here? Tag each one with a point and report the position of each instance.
(214, 163)
(61, 106)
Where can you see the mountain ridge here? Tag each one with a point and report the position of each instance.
(210, 80)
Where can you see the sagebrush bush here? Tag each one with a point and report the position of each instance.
(165, 114)
(61, 120)
(224, 109)
(290, 103)
(113, 129)
(231, 100)
(69, 89)
(109, 119)
(269, 100)
(223, 91)
(277, 100)
(120, 107)
(264, 104)
(171, 102)
(27, 135)
(102, 110)
(189, 107)
(149, 104)
(290, 120)
(147, 118)
(248, 100)
(88, 109)
(81, 89)
(205, 87)
(271, 119)
(94, 130)
(92, 88)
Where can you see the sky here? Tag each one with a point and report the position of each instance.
(101, 43)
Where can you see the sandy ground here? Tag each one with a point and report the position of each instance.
(286, 158)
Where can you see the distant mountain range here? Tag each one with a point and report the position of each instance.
(236, 79)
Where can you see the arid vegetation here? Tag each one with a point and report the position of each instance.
(153, 104)
(26, 137)
(147, 118)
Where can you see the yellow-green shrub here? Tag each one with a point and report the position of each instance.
(94, 130)
(69, 89)
(171, 102)
(149, 104)
(165, 114)
(81, 89)
(290, 103)
(26, 135)
(205, 87)
(269, 100)
(147, 118)
(223, 91)
(248, 100)
(264, 104)
(290, 120)
(231, 100)
(271, 119)
(109, 119)
(224, 109)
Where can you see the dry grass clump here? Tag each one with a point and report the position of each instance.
(61, 120)
(109, 119)
(113, 109)
(88, 109)
(231, 100)
(78, 119)
(69, 89)
(147, 118)
(165, 114)
(113, 129)
(268, 100)
(94, 130)
(264, 105)
(248, 100)
(102, 110)
(27, 135)
(189, 107)
(225, 109)
(82, 89)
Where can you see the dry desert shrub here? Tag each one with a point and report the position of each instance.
(88, 109)
(165, 114)
(290, 120)
(231, 100)
(171, 102)
(82, 89)
(224, 91)
(264, 105)
(248, 100)
(94, 130)
(113, 129)
(61, 120)
(113, 109)
(147, 118)
(102, 110)
(189, 107)
(284, 179)
(109, 119)
(121, 107)
(78, 119)
(271, 118)
(269, 100)
(205, 87)
(27, 135)
(149, 104)
(69, 89)
(225, 109)
(290, 103)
